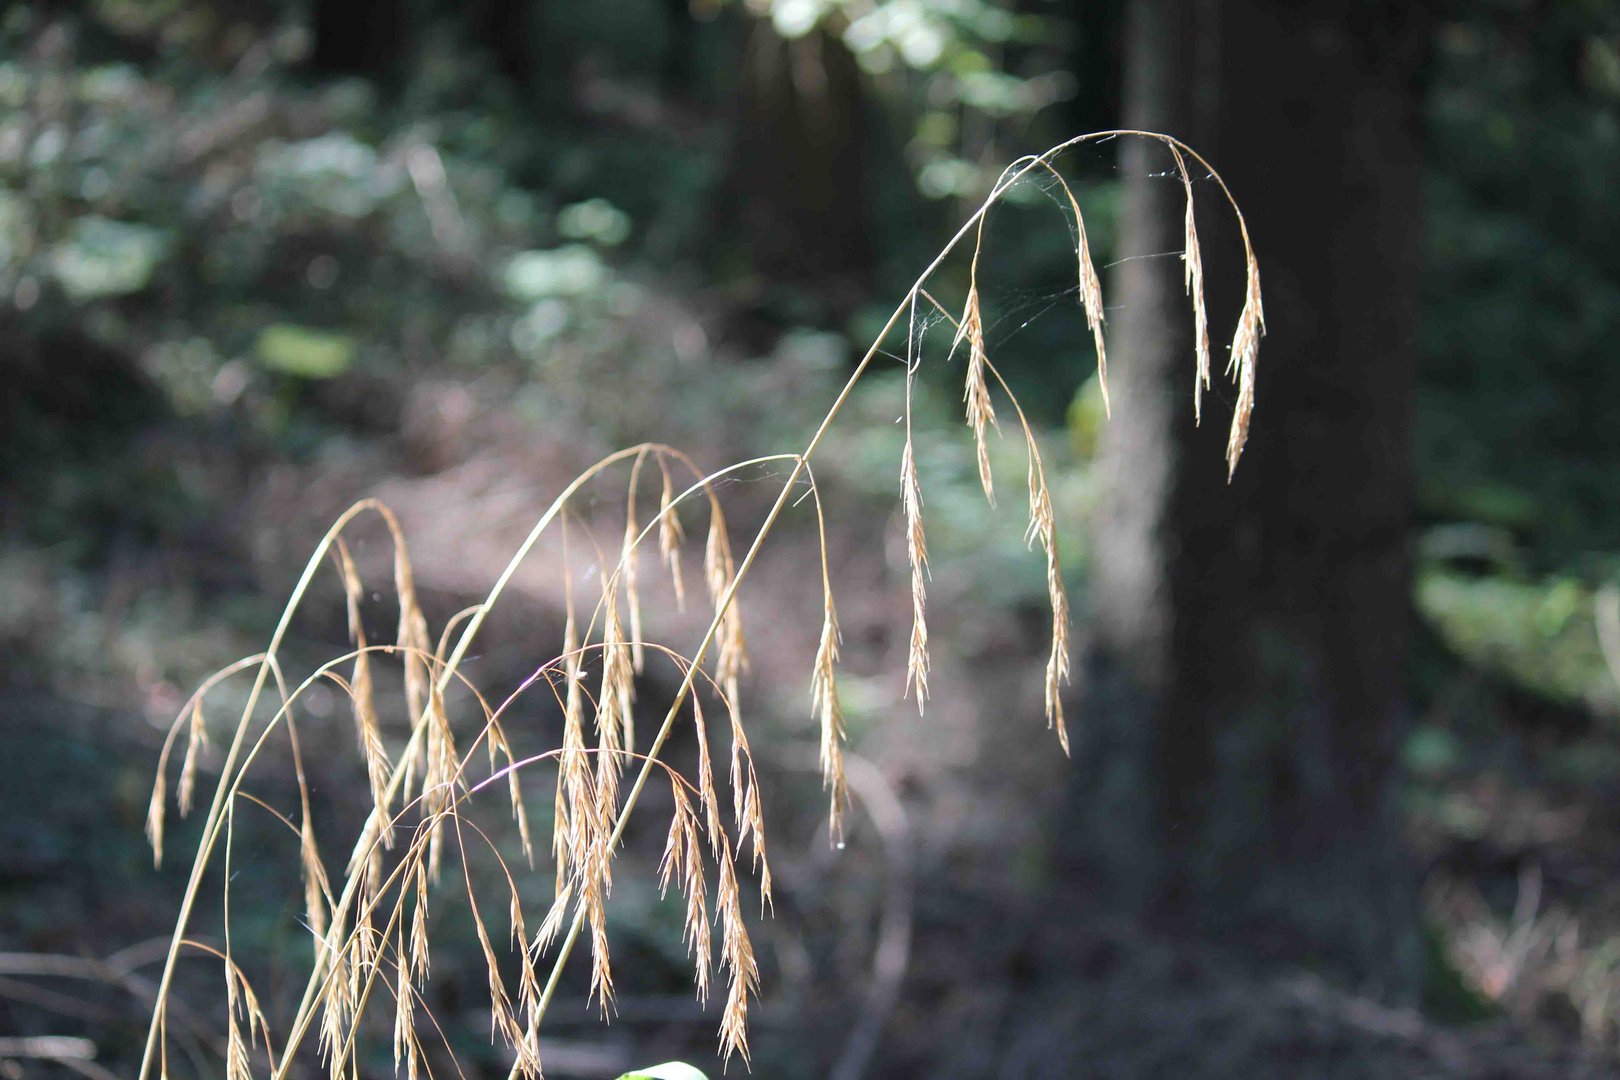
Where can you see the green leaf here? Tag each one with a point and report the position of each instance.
(669, 1070)
(305, 351)
(570, 270)
(105, 258)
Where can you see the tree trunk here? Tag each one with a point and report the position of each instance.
(797, 179)
(1246, 676)
(362, 37)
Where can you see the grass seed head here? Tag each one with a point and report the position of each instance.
(719, 570)
(1193, 281)
(917, 556)
(1245, 347)
(671, 536)
(708, 798)
(737, 958)
(196, 742)
(829, 715)
(981, 412)
(316, 886)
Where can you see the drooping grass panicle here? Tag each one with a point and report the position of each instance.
(502, 1019)
(829, 717)
(407, 1049)
(736, 959)
(419, 960)
(500, 745)
(615, 728)
(708, 798)
(1088, 283)
(916, 546)
(746, 807)
(196, 742)
(981, 412)
(415, 646)
(1042, 530)
(682, 866)
(1193, 279)
(593, 902)
(189, 718)
(317, 887)
(720, 570)
(824, 704)
(155, 807)
(361, 693)
(1245, 346)
(671, 535)
(383, 904)
(574, 817)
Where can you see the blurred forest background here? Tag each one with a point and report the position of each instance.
(1346, 753)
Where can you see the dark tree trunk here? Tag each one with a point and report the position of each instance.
(1246, 681)
(359, 37)
(797, 183)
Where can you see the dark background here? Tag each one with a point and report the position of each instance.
(1345, 747)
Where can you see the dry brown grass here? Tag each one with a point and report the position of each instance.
(371, 926)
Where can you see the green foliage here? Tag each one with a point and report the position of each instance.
(1522, 292)
(1537, 634)
(1447, 996)
(669, 1070)
(305, 352)
(967, 74)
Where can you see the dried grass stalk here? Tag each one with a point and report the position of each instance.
(629, 552)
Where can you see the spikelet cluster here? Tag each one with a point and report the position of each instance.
(1193, 280)
(829, 717)
(981, 412)
(719, 571)
(671, 535)
(917, 557)
(1245, 345)
(737, 960)
(1042, 530)
(242, 1011)
(682, 865)
(1090, 295)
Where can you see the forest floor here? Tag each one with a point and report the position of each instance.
(927, 947)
